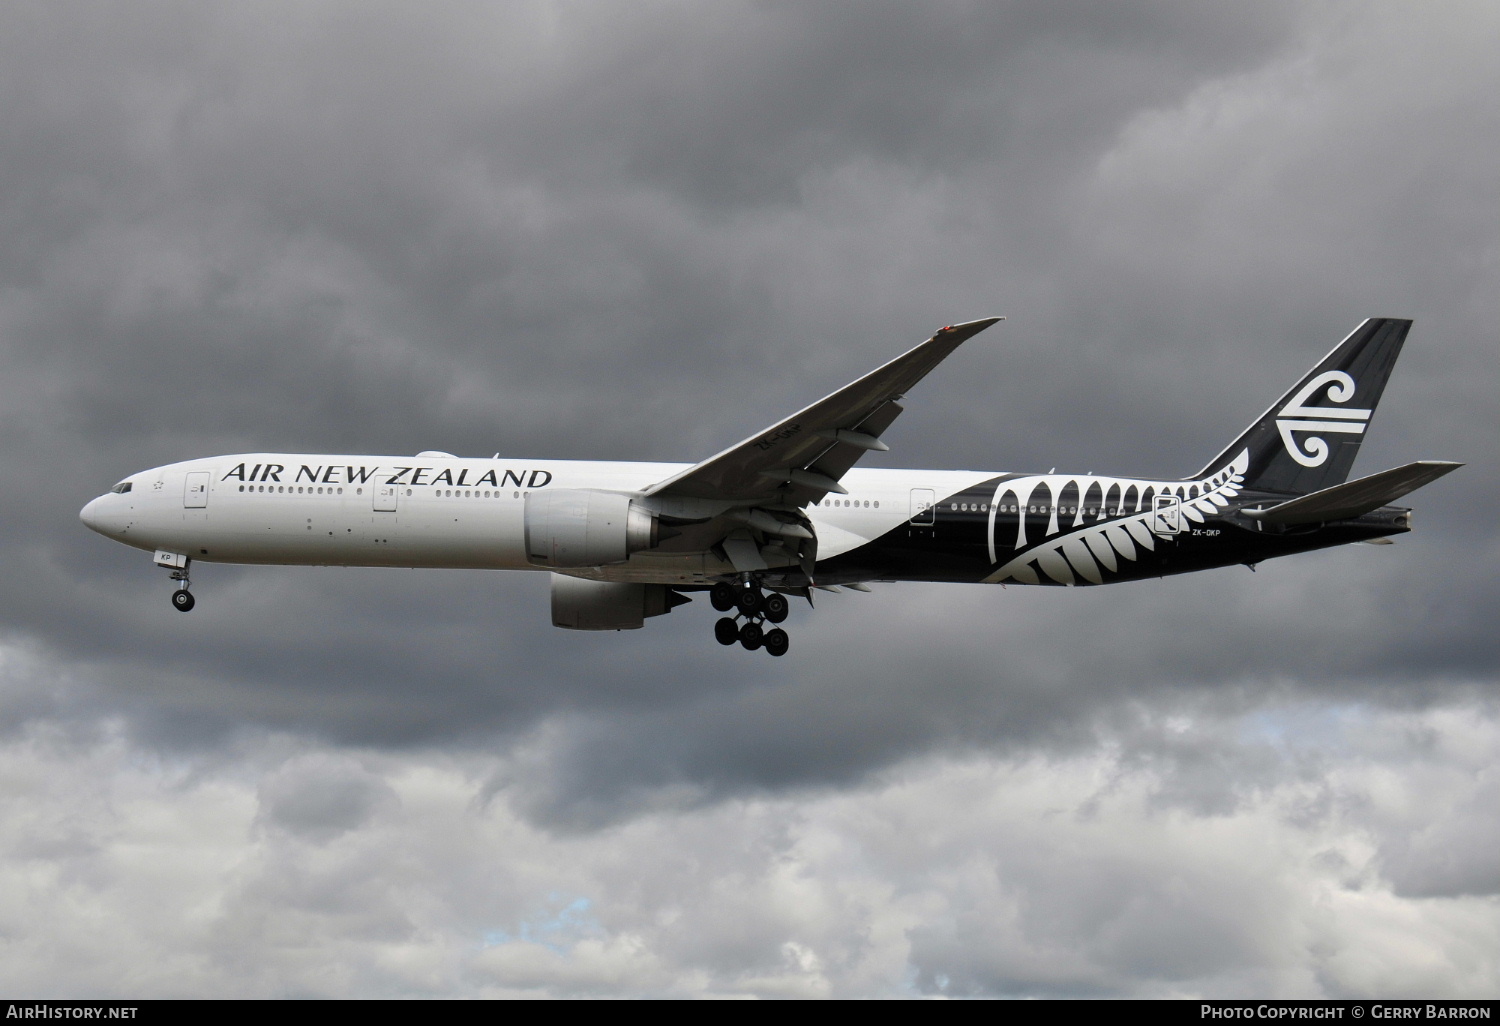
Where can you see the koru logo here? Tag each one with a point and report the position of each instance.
(1347, 421)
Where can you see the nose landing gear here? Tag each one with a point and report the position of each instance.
(757, 608)
(182, 599)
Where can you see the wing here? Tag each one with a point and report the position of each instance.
(800, 459)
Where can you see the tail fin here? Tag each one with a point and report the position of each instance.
(1308, 440)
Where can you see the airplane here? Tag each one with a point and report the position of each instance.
(786, 513)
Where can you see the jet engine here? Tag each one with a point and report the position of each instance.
(580, 527)
(581, 605)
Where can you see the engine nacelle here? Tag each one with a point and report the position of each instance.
(582, 605)
(579, 527)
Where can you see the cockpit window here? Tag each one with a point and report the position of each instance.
(121, 488)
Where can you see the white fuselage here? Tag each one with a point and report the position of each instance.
(331, 510)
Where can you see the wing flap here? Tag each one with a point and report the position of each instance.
(839, 457)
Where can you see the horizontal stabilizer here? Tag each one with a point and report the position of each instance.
(1353, 498)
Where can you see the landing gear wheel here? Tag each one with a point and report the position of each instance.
(722, 596)
(750, 635)
(749, 600)
(776, 607)
(726, 631)
(183, 600)
(777, 642)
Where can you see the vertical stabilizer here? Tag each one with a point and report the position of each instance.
(1308, 440)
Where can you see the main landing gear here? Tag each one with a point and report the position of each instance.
(757, 608)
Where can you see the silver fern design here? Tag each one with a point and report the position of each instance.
(1114, 520)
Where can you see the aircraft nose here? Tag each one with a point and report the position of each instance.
(90, 514)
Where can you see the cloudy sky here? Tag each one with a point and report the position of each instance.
(643, 231)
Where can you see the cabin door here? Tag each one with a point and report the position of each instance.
(1166, 515)
(923, 511)
(195, 491)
